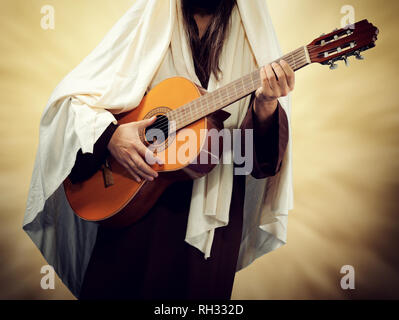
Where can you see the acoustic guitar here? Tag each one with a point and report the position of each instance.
(111, 196)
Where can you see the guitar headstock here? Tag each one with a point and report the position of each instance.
(343, 43)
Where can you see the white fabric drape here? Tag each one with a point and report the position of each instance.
(146, 46)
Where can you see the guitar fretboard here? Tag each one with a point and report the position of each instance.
(234, 91)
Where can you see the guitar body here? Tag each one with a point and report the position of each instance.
(126, 201)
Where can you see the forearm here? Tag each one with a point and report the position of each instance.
(270, 140)
(264, 110)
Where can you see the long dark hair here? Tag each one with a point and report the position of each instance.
(206, 51)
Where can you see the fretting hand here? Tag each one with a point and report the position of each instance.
(278, 80)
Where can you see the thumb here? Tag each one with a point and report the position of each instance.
(147, 122)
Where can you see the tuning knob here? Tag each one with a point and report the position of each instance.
(346, 61)
(358, 56)
(333, 65)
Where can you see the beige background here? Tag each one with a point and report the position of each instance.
(345, 134)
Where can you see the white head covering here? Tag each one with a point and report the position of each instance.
(147, 45)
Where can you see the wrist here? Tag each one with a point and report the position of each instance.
(110, 133)
(264, 109)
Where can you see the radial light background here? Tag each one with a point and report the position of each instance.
(345, 135)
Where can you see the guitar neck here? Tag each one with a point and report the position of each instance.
(232, 92)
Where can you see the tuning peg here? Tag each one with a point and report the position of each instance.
(346, 60)
(358, 56)
(333, 65)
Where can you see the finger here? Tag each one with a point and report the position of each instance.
(143, 169)
(289, 73)
(266, 89)
(271, 77)
(282, 79)
(133, 167)
(148, 155)
(139, 172)
(128, 164)
(131, 172)
(278, 70)
(146, 122)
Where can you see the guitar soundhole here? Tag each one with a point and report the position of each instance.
(158, 132)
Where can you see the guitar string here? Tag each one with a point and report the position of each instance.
(182, 119)
(291, 58)
(163, 125)
(196, 114)
(243, 90)
(179, 116)
(233, 85)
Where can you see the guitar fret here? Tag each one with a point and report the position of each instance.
(235, 90)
